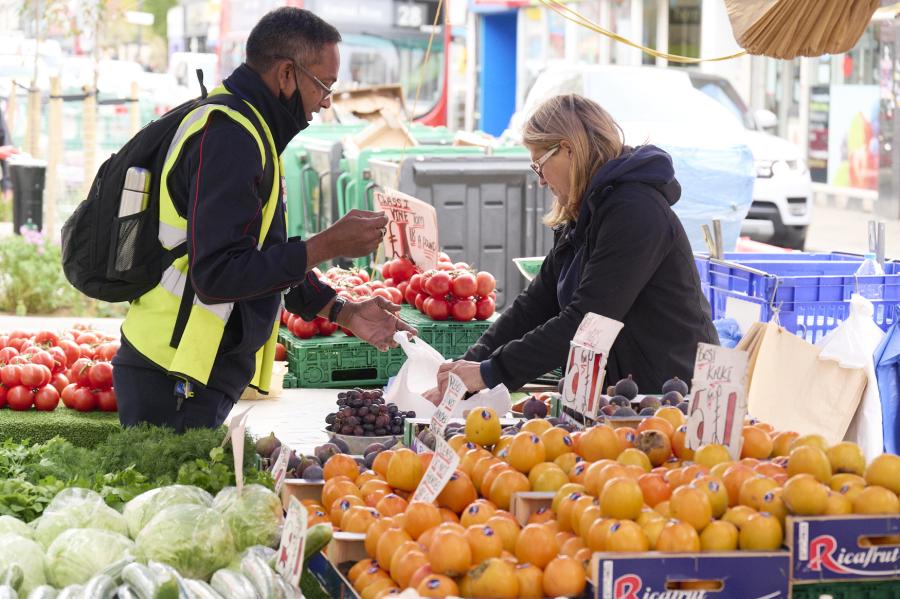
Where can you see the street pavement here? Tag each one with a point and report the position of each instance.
(846, 230)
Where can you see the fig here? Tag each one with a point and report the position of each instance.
(624, 413)
(266, 445)
(293, 461)
(627, 387)
(609, 410)
(313, 473)
(649, 401)
(534, 408)
(672, 398)
(647, 412)
(620, 401)
(683, 406)
(323, 452)
(390, 443)
(675, 384)
(373, 448)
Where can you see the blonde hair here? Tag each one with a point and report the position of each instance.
(593, 134)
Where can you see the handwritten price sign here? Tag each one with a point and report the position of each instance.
(279, 470)
(441, 417)
(439, 472)
(412, 228)
(718, 398)
(586, 364)
(293, 543)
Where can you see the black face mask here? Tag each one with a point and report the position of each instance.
(294, 104)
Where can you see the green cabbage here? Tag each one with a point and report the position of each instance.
(78, 554)
(255, 516)
(14, 526)
(140, 510)
(77, 508)
(193, 539)
(17, 549)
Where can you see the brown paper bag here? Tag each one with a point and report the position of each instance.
(792, 388)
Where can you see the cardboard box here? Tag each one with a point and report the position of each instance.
(346, 547)
(653, 574)
(371, 102)
(301, 488)
(529, 502)
(828, 548)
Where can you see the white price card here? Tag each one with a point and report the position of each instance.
(279, 470)
(586, 364)
(293, 543)
(718, 398)
(412, 229)
(236, 434)
(439, 472)
(456, 389)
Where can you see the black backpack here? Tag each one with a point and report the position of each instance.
(113, 258)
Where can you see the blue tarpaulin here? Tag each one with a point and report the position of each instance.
(887, 371)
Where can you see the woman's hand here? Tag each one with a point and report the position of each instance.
(469, 372)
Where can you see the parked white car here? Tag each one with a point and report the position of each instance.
(684, 107)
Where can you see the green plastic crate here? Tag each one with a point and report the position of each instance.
(888, 589)
(341, 361)
(449, 337)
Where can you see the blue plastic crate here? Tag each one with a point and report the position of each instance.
(810, 291)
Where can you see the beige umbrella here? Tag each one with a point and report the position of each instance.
(790, 28)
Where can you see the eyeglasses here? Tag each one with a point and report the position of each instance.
(326, 91)
(538, 166)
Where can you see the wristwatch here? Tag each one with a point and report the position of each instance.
(336, 308)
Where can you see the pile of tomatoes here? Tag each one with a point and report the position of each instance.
(451, 291)
(40, 369)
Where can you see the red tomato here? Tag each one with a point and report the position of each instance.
(60, 381)
(7, 354)
(45, 358)
(106, 401)
(438, 285)
(389, 282)
(46, 339)
(484, 308)
(19, 335)
(362, 274)
(16, 343)
(464, 285)
(3, 391)
(35, 375)
(87, 338)
(84, 400)
(485, 283)
(463, 310)
(396, 296)
(71, 349)
(100, 375)
(461, 266)
(403, 269)
(353, 280)
(445, 266)
(20, 397)
(327, 328)
(416, 283)
(410, 295)
(303, 329)
(383, 293)
(11, 375)
(78, 373)
(86, 351)
(68, 393)
(401, 287)
(280, 352)
(4, 339)
(46, 399)
(376, 285)
(386, 270)
(60, 359)
(107, 351)
(362, 290)
(437, 308)
(420, 302)
(348, 332)
(444, 257)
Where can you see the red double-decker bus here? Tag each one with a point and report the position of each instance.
(384, 42)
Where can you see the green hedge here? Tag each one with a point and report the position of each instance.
(84, 429)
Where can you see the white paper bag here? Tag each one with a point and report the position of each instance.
(419, 374)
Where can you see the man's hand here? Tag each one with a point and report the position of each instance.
(469, 372)
(7, 151)
(356, 234)
(374, 320)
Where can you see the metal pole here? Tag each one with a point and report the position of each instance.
(33, 131)
(54, 152)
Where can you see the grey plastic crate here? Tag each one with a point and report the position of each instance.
(489, 209)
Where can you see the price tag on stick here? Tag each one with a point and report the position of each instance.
(412, 229)
(718, 398)
(440, 470)
(586, 364)
(456, 389)
(293, 543)
(236, 433)
(279, 470)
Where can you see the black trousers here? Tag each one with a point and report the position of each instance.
(149, 395)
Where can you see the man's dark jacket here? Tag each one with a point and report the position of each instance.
(219, 186)
(626, 257)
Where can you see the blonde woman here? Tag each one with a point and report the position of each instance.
(619, 251)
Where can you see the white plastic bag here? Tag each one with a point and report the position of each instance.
(419, 374)
(852, 344)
